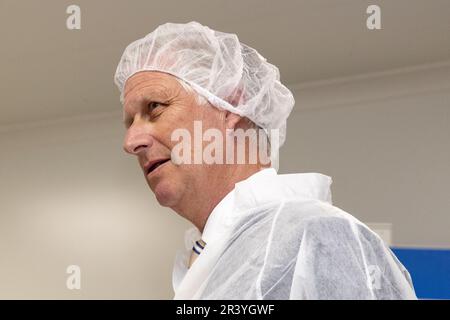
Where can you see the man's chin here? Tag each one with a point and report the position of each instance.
(166, 194)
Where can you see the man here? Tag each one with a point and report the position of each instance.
(257, 234)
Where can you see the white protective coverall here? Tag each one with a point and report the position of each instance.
(279, 237)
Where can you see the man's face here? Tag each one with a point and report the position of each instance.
(156, 104)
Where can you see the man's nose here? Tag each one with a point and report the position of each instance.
(137, 139)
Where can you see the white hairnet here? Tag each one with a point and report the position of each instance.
(229, 74)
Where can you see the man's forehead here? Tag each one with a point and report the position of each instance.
(147, 83)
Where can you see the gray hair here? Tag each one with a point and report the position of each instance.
(201, 100)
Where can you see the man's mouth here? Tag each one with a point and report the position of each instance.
(155, 165)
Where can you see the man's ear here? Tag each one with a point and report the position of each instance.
(232, 119)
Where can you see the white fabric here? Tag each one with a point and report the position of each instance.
(214, 230)
(280, 237)
(229, 74)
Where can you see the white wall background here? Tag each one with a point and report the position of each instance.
(69, 195)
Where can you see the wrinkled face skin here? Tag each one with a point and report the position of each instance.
(155, 104)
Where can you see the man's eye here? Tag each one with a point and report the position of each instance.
(153, 105)
(155, 109)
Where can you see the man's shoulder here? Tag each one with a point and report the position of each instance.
(285, 222)
(320, 219)
(315, 211)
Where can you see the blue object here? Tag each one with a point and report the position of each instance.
(429, 269)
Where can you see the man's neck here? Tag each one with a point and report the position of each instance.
(199, 205)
